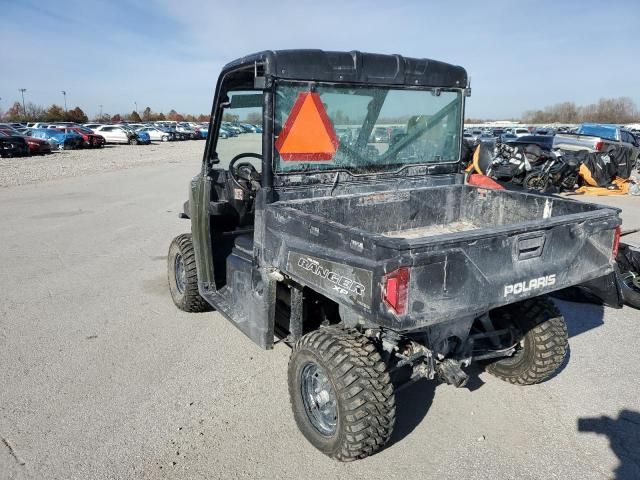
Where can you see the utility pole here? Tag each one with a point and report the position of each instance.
(24, 110)
(136, 104)
(64, 94)
(100, 112)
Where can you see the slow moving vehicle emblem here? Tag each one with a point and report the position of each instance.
(308, 134)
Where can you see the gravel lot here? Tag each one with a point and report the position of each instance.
(101, 377)
(73, 163)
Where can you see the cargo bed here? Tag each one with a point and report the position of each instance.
(466, 246)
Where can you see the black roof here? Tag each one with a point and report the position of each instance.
(354, 67)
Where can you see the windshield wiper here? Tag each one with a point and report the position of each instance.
(420, 130)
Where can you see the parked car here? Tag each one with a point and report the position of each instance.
(599, 138)
(90, 139)
(508, 137)
(380, 135)
(230, 127)
(92, 126)
(486, 137)
(156, 133)
(543, 141)
(521, 132)
(186, 129)
(58, 139)
(13, 146)
(36, 145)
(170, 127)
(118, 134)
(203, 131)
(476, 134)
(143, 137)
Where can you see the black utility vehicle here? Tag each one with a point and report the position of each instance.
(375, 261)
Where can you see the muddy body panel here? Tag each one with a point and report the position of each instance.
(469, 250)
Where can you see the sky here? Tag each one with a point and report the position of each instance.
(520, 55)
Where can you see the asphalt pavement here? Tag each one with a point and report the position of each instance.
(101, 377)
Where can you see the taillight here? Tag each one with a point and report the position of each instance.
(616, 242)
(599, 146)
(395, 287)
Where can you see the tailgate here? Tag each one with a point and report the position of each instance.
(474, 276)
(575, 142)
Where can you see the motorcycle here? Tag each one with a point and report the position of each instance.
(559, 172)
(510, 163)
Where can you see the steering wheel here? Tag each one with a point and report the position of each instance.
(244, 173)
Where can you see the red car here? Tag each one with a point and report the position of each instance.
(37, 146)
(91, 140)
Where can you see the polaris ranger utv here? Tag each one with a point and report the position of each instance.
(369, 254)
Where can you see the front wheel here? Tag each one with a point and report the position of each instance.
(542, 341)
(183, 276)
(165, 138)
(534, 181)
(341, 393)
(133, 141)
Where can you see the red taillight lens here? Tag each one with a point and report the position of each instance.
(599, 146)
(616, 242)
(395, 289)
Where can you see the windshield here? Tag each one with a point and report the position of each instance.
(369, 129)
(603, 131)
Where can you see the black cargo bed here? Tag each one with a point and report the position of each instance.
(469, 249)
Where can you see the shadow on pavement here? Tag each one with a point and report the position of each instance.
(624, 439)
(580, 317)
(413, 402)
(412, 405)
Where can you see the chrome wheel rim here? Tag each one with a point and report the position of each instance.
(320, 402)
(180, 273)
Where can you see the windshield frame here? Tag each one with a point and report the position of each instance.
(312, 85)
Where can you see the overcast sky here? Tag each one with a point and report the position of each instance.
(167, 54)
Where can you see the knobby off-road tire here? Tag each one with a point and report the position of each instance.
(183, 276)
(543, 346)
(358, 381)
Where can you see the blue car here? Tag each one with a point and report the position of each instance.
(203, 132)
(58, 139)
(143, 137)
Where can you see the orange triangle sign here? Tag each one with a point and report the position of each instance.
(308, 134)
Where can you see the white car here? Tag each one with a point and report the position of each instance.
(156, 134)
(116, 134)
(521, 132)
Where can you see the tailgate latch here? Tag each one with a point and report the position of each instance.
(530, 246)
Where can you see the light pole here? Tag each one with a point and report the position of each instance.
(24, 110)
(64, 94)
(136, 104)
(100, 112)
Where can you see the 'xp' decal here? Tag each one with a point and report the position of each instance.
(528, 285)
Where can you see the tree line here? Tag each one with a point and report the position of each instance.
(607, 110)
(55, 113)
(620, 110)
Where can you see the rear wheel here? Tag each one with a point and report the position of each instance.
(165, 138)
(542, 341)
(183, 276)
(133, 141)
(341, 393)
